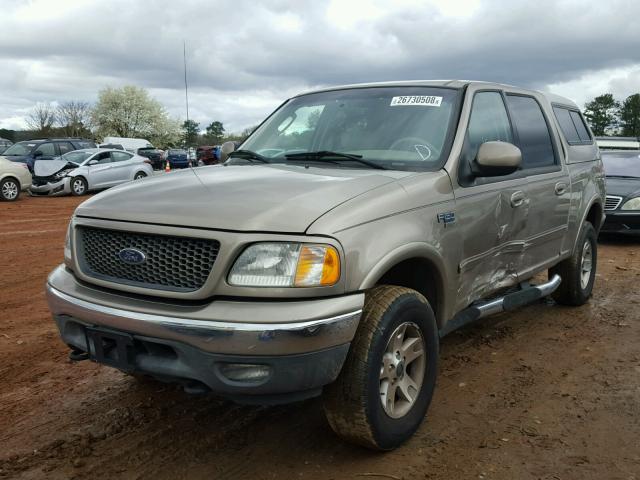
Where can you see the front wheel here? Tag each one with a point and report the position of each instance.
(578, 272)
(139, 175)
(387, 382)
(79, 186)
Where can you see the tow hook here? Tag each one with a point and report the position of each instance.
(78, 355)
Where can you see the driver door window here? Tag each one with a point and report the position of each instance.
(103, 158)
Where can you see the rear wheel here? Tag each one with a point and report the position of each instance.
(79, 186)
(9, 189)
(578, 272)
(386, 384)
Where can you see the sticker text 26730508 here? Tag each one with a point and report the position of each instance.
(420, 100)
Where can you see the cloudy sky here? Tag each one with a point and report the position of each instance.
(245, 57)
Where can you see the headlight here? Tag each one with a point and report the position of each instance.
(633, 204)
(286, 265)
(61, 174)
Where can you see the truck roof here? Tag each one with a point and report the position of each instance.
(553, 98)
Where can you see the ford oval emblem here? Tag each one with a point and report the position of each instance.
(132, 256)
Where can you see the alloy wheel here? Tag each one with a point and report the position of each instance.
(402, 370)
(78, 187)
(586, 264)
(10, 190)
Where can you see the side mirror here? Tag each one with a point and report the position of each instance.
(225, 150)
(37, 154)
(496, 159)
(92, 162)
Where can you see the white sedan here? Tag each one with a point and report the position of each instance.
(80, 171)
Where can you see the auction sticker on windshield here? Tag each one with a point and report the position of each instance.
(423, 100)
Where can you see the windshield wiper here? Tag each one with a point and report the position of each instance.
(248, 155)
(621, 176)
(325, 155)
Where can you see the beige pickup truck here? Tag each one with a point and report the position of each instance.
(354, 228)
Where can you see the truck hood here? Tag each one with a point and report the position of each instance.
(269, 198)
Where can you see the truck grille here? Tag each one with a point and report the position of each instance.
(179, 264)
(612, 202)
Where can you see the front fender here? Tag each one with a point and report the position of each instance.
(416, 251)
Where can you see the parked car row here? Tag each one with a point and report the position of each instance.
(75, 166)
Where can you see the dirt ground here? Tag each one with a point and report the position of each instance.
(548, 392)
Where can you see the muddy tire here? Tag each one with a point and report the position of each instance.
(386, 385)
(578, 272)
(9, 189)
(79, 186)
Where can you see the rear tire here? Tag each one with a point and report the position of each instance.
(384, 365)
(9, 189)
(578, 272)
(79, 186)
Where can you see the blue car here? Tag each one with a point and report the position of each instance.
(45, 149)
(177, 158)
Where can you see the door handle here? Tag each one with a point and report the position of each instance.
(560, 188)
(517, 198)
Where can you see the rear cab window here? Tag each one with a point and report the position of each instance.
(573, 126)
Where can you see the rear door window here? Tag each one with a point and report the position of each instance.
(120, 156)
(534, 138)
(47, 150)
(65, 147)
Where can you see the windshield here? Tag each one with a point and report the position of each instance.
(401, 128)
(177, 152)
(22, 148)
(76, 156)
(621, 164)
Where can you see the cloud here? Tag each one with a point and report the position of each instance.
(245, 57)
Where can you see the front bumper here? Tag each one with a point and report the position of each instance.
(618, 222)
(303, 351)
(61, 187)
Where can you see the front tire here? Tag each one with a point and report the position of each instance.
(9, 189)
(79, 186)
(139, 176)
(387, 382)
(578, 272)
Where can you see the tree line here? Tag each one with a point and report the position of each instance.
(608, 116)
(128, 111)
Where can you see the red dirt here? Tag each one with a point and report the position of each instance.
(547, 392)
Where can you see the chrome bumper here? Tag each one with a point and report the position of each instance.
(238, 337)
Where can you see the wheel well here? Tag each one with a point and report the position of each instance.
(16, 179)
(595, 216)
(418, 274)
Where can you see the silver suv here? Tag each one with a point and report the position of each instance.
(329, 254)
